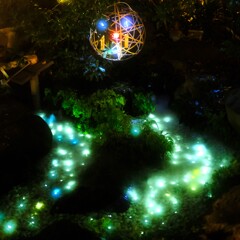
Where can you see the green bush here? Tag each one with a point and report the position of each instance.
(142, 104)
(101, 111)
(120, 158)
(226, 178)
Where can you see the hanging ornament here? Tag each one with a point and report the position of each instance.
(119, 34)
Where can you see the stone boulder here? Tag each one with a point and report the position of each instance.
(25, 139)
(224, 219)
(232, 105)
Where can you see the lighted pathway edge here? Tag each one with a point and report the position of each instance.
(190, 166)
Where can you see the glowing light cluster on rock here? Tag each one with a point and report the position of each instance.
(189, 167)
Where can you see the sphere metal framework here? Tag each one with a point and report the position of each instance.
(119, 35)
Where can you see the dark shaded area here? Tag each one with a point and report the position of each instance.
(24, 140)
(118, 162)
(92, 199)
(64, 229)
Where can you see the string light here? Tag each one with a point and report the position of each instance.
(190, 166)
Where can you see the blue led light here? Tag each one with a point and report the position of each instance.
(102, 69)
(51, 119)
(135, 131)
(74, 141)
(56, 193)
(127, 21)
(59, 138)
(102, 25)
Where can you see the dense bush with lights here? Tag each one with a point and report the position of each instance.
(158, 202)
(142, 103)
(102, 110)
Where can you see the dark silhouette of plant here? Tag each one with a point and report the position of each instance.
(60, 33)
(226, 178)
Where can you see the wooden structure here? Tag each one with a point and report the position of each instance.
(30, 73)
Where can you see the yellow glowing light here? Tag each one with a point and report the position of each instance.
(39, 205)
(126, 40)
(193, 188)
(63, 1)
(196, 172)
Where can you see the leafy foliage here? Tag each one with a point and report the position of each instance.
(120, 158)
(101, 110)
(142, 103)
(60, 33)
(226, 178)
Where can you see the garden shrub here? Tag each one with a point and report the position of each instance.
(142, 103)
(120, 157)
(101, 111)
(139, 102)
(226, 178)
(187, 223)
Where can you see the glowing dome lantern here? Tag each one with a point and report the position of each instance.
(119, 34)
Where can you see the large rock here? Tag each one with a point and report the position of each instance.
(233, 108)
(225, 216)
(25, 139)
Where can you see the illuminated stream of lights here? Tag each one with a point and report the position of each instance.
(190, 166)
(69, 155)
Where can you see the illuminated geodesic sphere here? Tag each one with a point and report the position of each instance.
(119, 34)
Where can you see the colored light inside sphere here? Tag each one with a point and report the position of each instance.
(116, 36)
(127, 21)
(102, 25)
(120, 35)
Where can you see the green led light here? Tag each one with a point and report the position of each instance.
(189, 167)
(39, 205)
(86, 152)
(9, 227)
